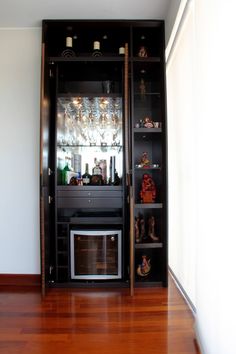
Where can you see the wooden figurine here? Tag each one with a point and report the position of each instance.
(142, 229)
(151, 228)
(142, 88)
(142, 52)
(136, 230)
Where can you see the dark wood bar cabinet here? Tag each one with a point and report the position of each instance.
(103, 173)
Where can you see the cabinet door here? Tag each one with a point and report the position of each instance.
(148, 158)
(46, 176)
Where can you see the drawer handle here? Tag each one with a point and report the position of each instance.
(89, 200)
(89, 193)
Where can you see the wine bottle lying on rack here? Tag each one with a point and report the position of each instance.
(68, 52)
(96, 49)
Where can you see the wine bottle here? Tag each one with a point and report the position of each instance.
(65, 171)
(96, 49)
(59, 171)
(86, 177)
(68, 52)
(122, 51)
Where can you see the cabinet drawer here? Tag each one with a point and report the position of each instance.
(65, 202)
(89, 193)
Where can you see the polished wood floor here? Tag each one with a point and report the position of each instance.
(104, 321)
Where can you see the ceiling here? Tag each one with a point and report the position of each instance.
(29, 13)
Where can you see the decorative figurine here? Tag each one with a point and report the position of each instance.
(148, 123)
(148, 189)
(157, 124)
(144, 161)
(142, 88)
(141, 123)
(139, 229)
(144, 269)
(142, 52)
(136, 230)
(142, 228)
(151, 228)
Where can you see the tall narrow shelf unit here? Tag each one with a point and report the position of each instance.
(103, 106)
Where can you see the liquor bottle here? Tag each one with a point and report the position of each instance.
(103, 165)
(76, 162)
(114, 179)
(59, 171)
(96, 169)
(112, 169)
(96, 178)
(96, 49)
(68, 52)
(86, 177)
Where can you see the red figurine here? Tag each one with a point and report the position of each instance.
(148, 190)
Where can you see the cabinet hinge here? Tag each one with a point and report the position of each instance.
(50, 172)
(50, 199)
(50, 73)
(50, 269)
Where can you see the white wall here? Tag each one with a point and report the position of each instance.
(216, 117)
(214, 113)
(171, 17)
(182, 159)
(19, 150)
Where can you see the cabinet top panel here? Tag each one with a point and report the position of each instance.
(144, 37)
(122, 23)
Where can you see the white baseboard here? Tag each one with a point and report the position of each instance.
(191, 307)
(198, 337)
(184, 294)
